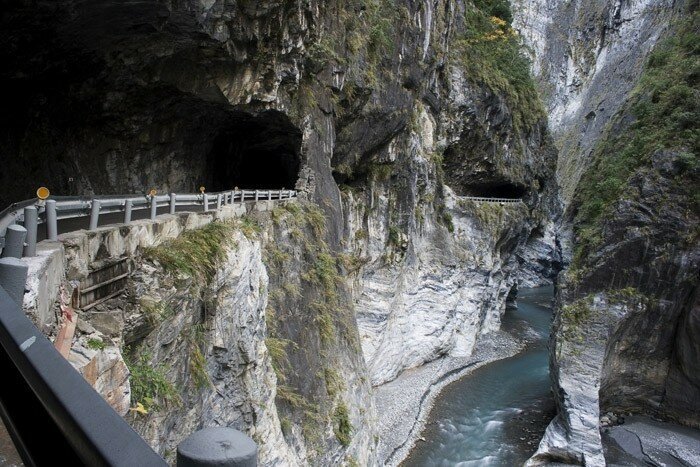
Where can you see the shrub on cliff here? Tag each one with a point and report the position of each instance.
(665, 107)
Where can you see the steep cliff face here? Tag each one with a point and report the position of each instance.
(241, 321)
(406, 106)
(587, 57)
(385, 115)
(624, 334)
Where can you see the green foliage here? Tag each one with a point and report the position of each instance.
(278, 354)
(445, 217)
(574, 317)
(666, 106)
(361, 234)
(157, 312)
(316, 220)
(498, 8)
(197, 363)
(198, 368)
(195, 253)
(490, 52)
(352, 263)
(276, 255)
(149, 384)
(249, 226)
(381, 171)
(324, 272)
(380, 17)
(95, 344)
(324, 321)
(342, 428)
(447, 220)
(290, 395)
(394, 237)
(334, 383)
(286, 426)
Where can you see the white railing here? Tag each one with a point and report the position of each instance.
(17, 241)
(492, 200)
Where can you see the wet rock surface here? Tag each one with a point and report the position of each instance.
(644, 441)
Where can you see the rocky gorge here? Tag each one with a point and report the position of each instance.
(624, 337)
(388, 118)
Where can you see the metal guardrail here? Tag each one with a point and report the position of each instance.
(492, 200)
(43, 398)
(31, 213)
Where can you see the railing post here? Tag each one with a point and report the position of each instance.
(154, 207)
(206, 202)
(231, 194)
(218, 202)
(51, 220)
(257, 195)
(94, 214)
(14, 241)
(128, 204)
(173, 202)
(31, 221)
(13, 278)
(217, 446)
(269, 195)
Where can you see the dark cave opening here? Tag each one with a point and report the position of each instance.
(496, 190)
(255, 152)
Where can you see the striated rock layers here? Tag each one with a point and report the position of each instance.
(587, 58)
(625, 332)
(385, 115)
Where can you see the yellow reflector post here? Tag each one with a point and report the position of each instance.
(42, 192)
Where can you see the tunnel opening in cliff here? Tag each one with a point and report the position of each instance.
(478, 169)
(255, 152)
(495, 190)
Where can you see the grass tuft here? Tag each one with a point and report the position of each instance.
(149, 384)
(196, 253)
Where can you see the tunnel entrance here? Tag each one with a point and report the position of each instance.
(255, 152)
(496, 190)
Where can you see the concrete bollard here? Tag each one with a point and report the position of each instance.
(217, 447)
(13, 278)
(128, 205)
(154, 208)
(206, 202)
(173, 203)
(14, 241)
(51, 220)
(218, 202)
(31, 222)
(95, 214)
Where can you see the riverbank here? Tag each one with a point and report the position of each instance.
(405, 403)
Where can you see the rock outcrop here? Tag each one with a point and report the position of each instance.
(587, 58)
(627, 302)
(385, 115)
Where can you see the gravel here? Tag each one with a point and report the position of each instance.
(404, 404)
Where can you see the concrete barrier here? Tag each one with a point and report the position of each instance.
(217, 446)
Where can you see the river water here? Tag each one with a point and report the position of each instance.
(496, 415)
